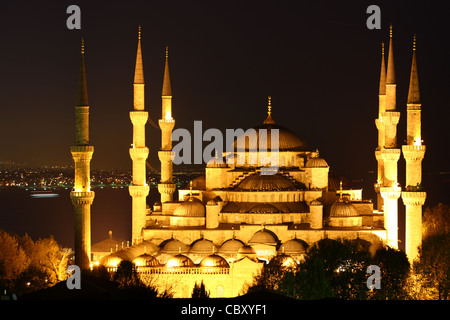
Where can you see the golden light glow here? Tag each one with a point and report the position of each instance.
(417, 141)
(172, 263)
(168, 115)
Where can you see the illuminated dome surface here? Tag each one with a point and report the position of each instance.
(288, 140)
(293, 246)
(263, 237)
(316, 163)
(192, 207)
(283, 260)
(264, 208)
(146, 260)
(215, 261)
(343, 208)
(203, 246)
(258, 182)
(231, 246)
(174, 246)
(179, 261)
(247, 250)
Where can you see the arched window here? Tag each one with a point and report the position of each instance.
(219, 292)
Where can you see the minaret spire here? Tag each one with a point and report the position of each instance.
(82, 96)
(81, 194)
(413, 93)
(138, 152)
(382, 90)
(166, 90)
(390, 76)
(166, 188)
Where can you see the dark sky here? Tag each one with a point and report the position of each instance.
(317, 59)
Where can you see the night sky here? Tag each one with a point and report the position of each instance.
(317, 59)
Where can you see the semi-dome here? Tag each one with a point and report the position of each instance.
(264, 208)
(258, 182)
(343, 208)
(263, 236)
(215, 261)
(231, 246)
(174, 246)
(179, 261)
(191, 207)
(292, 247)
(316, 162)
(246, 250)
(203, 246)
(146, 260)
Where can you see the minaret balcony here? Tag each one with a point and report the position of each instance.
(139, 153)
(82, 198)
(411, 198)
(391, 154)
(138, 117)
(413, 152)
(138, 191)
(393, 192)
(166, 155)
(390, 117)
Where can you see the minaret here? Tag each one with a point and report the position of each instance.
(81, 195)
(166, 188)
(390, 189)
(138, 151)
(413, 152)
(381, 131)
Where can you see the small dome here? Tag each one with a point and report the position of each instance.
(316, 162)
(264, 236)
(231, 246)
(203, 246)
(231, 207)
(146, 260)
(316, 203)
(343, 208)
(199, 182)
(258, 182)
(283, 260)
(214, 260)
(179, 261)
(174, 246)
(246, 250)
(264, 208)
(111, 261)
(293, 247)
(192, 207)
(216, 162)
(211, 203)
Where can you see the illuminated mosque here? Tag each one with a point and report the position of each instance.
(232, 220)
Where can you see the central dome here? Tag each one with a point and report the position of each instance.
(288, 141)
(192, 207)
(343, 208)
(266, 183)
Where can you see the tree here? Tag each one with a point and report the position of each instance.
(13, 260)
(394, 268)
(130, 284)
(436, 220)
(199, 291)
(432, 267)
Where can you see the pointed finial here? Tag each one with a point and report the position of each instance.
(390, 30)
(269, 106)
(414, 43)
(139, 33)
(190, 189)
(167, 52)
(82, 46)
(340, 190)
(382, 48)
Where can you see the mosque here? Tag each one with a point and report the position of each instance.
(233, 219)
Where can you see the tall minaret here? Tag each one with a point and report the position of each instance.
(81, 195)
(138, 152)
(413, 152)
(166, 188)
(390, 189)
(381, 131)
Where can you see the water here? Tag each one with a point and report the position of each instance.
(40, 217)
